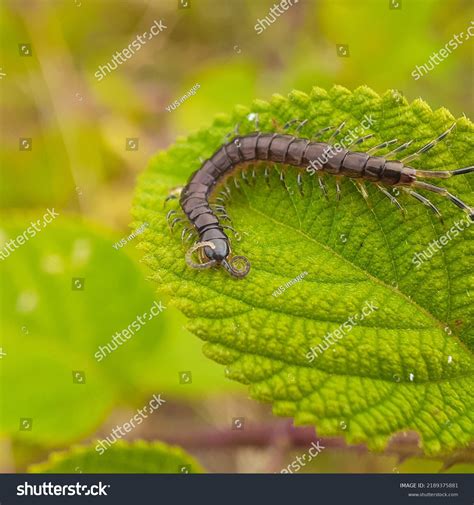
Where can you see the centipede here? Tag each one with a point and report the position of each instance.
(213, 246)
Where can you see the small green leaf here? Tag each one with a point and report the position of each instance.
(407, 366)
(122, 457)
(51, 331)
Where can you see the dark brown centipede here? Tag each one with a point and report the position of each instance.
(214, 245)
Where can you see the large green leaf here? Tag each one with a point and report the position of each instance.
(409, 366)
(122, 457)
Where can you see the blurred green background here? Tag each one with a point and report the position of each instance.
(81, 161)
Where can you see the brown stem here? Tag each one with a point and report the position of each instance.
(283, 433)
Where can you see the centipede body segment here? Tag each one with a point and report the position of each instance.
(214, 245)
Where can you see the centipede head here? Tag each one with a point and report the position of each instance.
(217, 252)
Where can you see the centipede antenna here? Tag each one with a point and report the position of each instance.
(336, 133)
(391, 198)
(383, 145)
(399, 149)
(428, 146)
(445, 193)
(424, 201)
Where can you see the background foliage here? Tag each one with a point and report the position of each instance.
(79, 165)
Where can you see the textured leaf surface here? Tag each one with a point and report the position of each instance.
(409, 365)
(122, 457)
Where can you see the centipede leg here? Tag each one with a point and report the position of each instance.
(336, 132)
(300, 122)
(446, 194)
(362, 190)
(443, 174)
(428, 146)
(361, 139)
(174, 194)
(299, 182)
(338, 189)
(423, 200)
(253, 116)
(169, 214)
(266, 175)
(233, 133)
(175, 221)
(322, 186)
(399, 149)
(383, 145)
(187, 231)
(391, 198)
(322, 131)
(243, 174)
(237, 235)
(282, 177)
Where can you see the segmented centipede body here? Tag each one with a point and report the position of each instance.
(214, 245)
